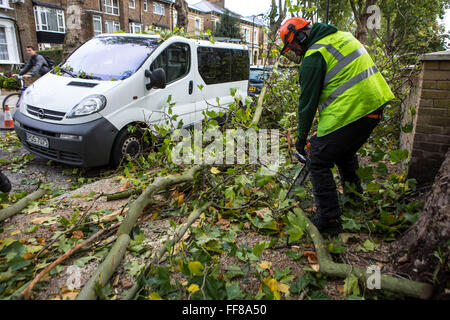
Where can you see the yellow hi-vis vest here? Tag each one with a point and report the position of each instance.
(353, 87)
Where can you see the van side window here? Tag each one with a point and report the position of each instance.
(175, 60)
(218, 65)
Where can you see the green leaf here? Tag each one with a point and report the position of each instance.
(294, 255)
(365, 174)
(318, 295)
(398, 155)
(133, 267)
(351, 285)
(382, 169)
(233, 271)
(350, 224)
(233, 291)
(259, 248)
(196, 268)
(296, 225)
(81, 262)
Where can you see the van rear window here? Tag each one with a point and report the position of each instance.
(219, 65)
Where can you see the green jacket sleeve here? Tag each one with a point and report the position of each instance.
(312, 73)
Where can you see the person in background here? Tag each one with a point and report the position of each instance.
(36, 63)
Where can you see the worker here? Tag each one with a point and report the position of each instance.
(340, 80)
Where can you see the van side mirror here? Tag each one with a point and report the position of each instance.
(157, 79)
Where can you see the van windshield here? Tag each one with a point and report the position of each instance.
(108, 58)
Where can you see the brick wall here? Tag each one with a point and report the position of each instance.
(431, 135)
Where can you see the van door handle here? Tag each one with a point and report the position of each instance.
(191, 86)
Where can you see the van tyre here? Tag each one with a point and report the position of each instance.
(127, 143)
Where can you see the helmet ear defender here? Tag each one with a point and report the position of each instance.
(299, 36)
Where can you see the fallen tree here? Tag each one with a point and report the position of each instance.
(177, 237)
(106, 269)
(424, 252)
(328, 267)
(21, 204)
(26, 293)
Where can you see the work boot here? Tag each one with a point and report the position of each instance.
(5, 185)
(332, 226)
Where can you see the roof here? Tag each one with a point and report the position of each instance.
(208, 7)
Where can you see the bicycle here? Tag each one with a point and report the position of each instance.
(12, 100)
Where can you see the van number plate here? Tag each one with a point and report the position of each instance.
(252, 88)
(40, 141)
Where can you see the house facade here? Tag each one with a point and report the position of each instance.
(45, 23)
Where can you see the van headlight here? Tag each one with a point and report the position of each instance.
(87, 106)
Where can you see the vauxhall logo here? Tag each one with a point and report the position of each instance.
(41, 113)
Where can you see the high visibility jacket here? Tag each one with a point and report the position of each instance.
(353, 86)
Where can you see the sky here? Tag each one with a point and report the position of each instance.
(254, 7)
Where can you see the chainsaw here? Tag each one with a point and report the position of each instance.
(301, 176)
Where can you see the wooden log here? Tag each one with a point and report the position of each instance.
(328, 267)
(115, 256)
(21, 204)
(26, 293)
(175, 239)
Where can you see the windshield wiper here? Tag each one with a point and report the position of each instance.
(67, 72)
(92, 77)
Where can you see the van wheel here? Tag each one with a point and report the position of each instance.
(127, 143)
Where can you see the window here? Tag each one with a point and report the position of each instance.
(4, 4)
(198, 24)
(49, 19)
(255, 36)
(112, 7)
(4, 55)
(135, 27)
(223, 65)
(216, 23)
(9, 52)
(246, 34)
(97, 24)
(111, 26)
(145, 5)
(158, 8)
(175, 18)
(132, 4)
(175, 60)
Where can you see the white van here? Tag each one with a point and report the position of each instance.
(125, 79)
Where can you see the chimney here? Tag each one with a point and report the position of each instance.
(220, 3)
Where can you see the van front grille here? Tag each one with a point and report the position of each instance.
(45, 113)
(57, 155)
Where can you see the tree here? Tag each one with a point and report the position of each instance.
(228, 26)
(424, 250)
(276, 17)
(182, 13)
(361, 15)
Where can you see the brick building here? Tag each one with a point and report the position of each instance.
(45, 23)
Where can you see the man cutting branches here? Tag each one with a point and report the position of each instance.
(340, 80)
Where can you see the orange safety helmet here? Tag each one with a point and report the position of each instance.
(292, 29)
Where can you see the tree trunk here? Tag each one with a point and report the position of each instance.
(361, 18)
(74, 36)
(182, 14)
(423, 252)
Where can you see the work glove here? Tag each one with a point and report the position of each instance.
(300, 146)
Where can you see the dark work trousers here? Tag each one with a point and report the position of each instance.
(337, 148)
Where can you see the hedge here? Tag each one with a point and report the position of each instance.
(55, 54)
